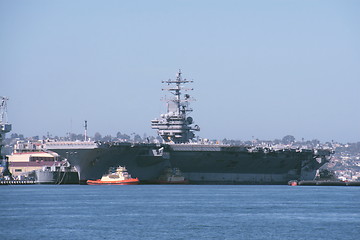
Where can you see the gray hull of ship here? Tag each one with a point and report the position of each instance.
(200, 164)
(56, 177)
(213, 164)
(139, 160)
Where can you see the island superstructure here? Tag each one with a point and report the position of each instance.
(199, 162)
(175, 126)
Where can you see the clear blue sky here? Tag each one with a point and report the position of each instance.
(261, 68)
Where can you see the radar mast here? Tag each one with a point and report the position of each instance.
(5, 127)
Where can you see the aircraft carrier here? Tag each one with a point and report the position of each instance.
(200, 162)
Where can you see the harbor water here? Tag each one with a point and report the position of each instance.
(179, 212)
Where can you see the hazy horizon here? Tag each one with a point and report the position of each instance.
(261, 69)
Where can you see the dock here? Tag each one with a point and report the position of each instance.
(16, 182)
(323, 183)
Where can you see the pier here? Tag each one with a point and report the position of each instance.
(16, 182)
(322, 183)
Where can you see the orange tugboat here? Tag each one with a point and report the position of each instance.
(119, 176)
